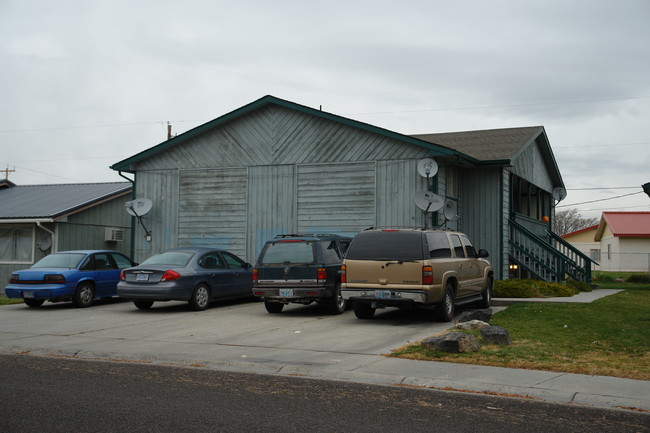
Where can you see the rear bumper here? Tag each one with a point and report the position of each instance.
(386, 297)
(48, 292)
(292, 294)
(160, 292)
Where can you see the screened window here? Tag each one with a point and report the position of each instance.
(16, 243)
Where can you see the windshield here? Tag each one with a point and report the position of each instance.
(173, 258)
(60, 260)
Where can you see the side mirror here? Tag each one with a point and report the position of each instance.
(483, 253)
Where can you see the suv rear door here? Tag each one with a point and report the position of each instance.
(287, 260)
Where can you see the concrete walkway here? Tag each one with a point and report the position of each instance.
(299, 342)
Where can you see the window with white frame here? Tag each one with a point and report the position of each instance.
(16, 243)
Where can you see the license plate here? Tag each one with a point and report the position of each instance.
(382, 294)
(286, 293)
(28, 294)
(142, 277)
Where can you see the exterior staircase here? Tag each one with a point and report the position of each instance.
(547, 256)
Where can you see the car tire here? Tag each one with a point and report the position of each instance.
(445, 310)
(200, 298)
(273, 307)
(486, 295)
(30, 302)
(336, 304)
(143, 305)
(84, 295)
(363, 310)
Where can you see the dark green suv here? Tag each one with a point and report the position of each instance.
(301, 269)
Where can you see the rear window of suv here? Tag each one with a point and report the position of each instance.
(288, 252)
(387, 245)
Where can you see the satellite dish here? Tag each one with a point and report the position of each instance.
(427, 167)
(428, 201)
(138, 207)
(559, 193)
(43, 241)
(450, 210)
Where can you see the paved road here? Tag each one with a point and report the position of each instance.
(44, 394)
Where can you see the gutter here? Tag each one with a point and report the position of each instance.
(132, 249)
(54, 246)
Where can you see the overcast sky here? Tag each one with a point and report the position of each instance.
(85, 84)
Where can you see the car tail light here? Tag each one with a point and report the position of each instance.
(427, 275)
(255, 275)
(321, 274)
(14, 278)
(122, 275)
(344, 277)
(170, 276)
(54, 278)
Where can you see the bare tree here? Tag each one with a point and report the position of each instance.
(570, 220)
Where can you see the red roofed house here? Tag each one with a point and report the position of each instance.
(624, 241)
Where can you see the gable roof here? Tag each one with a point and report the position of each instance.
(577, 232)
(128, 164)
(625, 224)
(487, 145)
(55, 201)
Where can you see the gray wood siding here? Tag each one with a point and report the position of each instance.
(397, 181)
(212, 209)
(86, 229)
(273, 135)
(336, 197)
(530, 165)
(271, 205)
(161, 187)
(482, 206)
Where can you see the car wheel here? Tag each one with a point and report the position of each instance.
(143, 305)
(273, 307)
(33, 302)
(336, 304)
(363, 310)
(200, 298)
(444, 311)
(486, 295)
(84, 295)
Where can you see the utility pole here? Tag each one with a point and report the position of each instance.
(6, 171)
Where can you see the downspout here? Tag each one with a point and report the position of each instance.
(132, 249)
(54, 246)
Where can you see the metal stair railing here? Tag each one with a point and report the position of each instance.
(543, 260)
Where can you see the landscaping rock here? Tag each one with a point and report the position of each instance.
(453, 342)
(472, 324)
(482, 315)
(496, 335)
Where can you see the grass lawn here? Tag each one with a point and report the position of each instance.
(608, 337)
(6, 301)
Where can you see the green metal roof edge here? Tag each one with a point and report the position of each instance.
(125, 164)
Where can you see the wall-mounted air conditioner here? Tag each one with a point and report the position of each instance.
(113, 234)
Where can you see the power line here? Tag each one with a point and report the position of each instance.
(602, 199)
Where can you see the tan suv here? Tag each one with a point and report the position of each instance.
(407, 268)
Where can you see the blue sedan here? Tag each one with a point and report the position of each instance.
(78, 276)
(196, 275)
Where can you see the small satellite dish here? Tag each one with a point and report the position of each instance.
(427, 167)
(43, 241)
(450, 210)
(559, 193)
(138, 207)
(428, 201)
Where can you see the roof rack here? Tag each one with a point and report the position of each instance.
(302, 235)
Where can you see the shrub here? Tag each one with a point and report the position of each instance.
(605, 278)
(515, 288)
(638, 278)
(578, 285)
